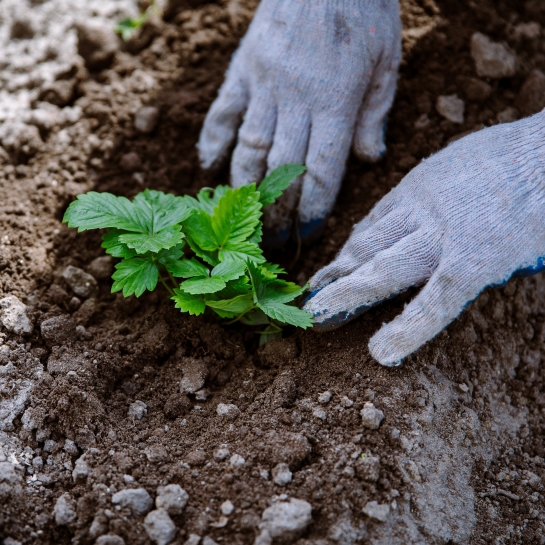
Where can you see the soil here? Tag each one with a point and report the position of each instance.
(461, 448)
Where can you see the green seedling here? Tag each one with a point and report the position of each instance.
(205, 251)
(127, 27)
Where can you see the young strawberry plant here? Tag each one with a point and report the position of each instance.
(205, 251)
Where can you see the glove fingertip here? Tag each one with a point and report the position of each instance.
(312, 230)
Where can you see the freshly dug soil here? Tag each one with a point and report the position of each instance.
(108, 394)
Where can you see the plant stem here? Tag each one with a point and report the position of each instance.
(241, 316)
(168, 288)
(173, 280)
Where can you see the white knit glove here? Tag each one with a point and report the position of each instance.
(464, 219)
(309, 78)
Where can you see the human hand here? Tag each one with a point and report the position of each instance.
(464, 219)
(309, 78)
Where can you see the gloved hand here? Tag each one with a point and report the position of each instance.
(309, 78)
(464, 219)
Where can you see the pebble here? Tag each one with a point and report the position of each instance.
(156, 454)
(177, 405)
(346, 402)
(14, 316)
(172, 498)
(110, 539)
(70, 448)
(193, 539)
(202, 395)
(377, 511)
(146, 119)
(50, 445)
(492, 60)
(136, 499)
(477, 90)
(81, 470)
(283, 446)
(237, 460)
(130, 162)
(508, 115)
(451, 107)
(97, 44)
(9, 481)
(208, 541)
(285, 521)
(58, 330)
(196, 458)
(11, 541)
(319, 412)
(368, 468)
(227, 409)
(325, 397)
(371, 416)
(195, 375)
(531, 98)
(82, 283)
(38, 462)
(138, 409)
(101, 267)
(282, 474)
(227, 508)
(64, 510)
(221, 454)
(344, 533)
(464, 388)
(159, 527)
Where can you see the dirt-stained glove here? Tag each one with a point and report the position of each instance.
(464, 219)
(309, 78)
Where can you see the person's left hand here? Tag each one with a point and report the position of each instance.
(464, 219)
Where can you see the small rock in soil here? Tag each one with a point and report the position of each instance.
(65, 510)
(130, 162)
(285, 521)
(344, 533)
(156, 454)
(278, 352)
(193, 539)
(138, 410)
(11, 541)
(146, 119)
(101, 268)
(508, 115)
(237, 460)
(320, 413)
(159, 527)
(284, 389)
(136, 499)
(346, 402)
(10, 481)
(195, 374)
(82, 283)
(208, 541)
(177, 405)
(284, 447)
(531, 98)
(325, 397)
(58, 330)
(202, 395)
(172, 498)
(99, 526)
(368, 468)
(50, 445)
(14, 316)
(87, 310)
(371, 416)
(228, 410)
(227, 508)
(57, 295)
(70, 448)
(492, 60)
(477, 90)
(81, 470)
(196, 458)
(451, 108)
(282, 474)
(221, 454)
(110, 539)
(377, 511)
(74, 303)
(97, 44)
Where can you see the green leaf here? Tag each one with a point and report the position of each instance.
(167, 257)
(208, 198)
(110, 242)
(257, 236)
(230, 269)
(194, 304)
(233, 288)
(244, 251)
(199, 227)
(202, 284)
(273, 268)
(164, 239)
(103, 210)
(236, 216)
(126, 27)
(135, 276)
(237, 305)
(187, 268)
(161, 210)
(287, 314)
(277, 181)
(210, 257)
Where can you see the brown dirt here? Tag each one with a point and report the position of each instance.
(472, 445)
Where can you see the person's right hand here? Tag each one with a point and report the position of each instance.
(464, 219)
(309, 78)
